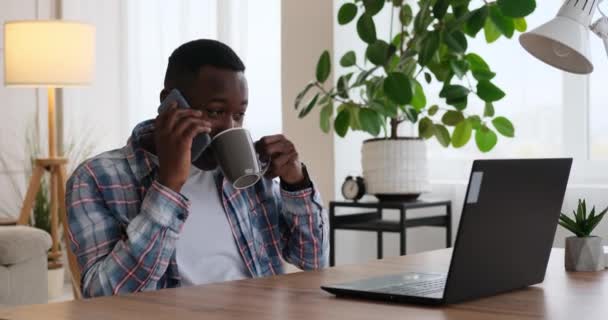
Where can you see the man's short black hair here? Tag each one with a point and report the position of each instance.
(185, 61)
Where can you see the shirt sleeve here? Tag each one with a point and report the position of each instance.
(115, 258)
(304, 228)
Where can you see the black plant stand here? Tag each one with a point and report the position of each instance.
(372, 221)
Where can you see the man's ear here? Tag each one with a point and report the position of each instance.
(163, 94)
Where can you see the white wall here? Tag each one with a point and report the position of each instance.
(18, 107)
(99, 110)
(306, 32)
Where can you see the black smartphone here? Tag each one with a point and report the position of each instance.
(200, 142)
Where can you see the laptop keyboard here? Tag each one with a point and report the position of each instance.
(419, 289)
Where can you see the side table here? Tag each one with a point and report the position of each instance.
(373, 221)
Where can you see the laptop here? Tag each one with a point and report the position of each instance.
(504, 240)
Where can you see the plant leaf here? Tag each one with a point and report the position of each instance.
(488, 110)
(488, 92)
(423, 18)
(571, 226)
(372, 7)
(398, 88)
(425, 128)
(366, 28)
(505, 25)
(459, 67)
(476, 62)
(349, 59)
(429, 46)
(342, 86)
(504, 126)
(479, 68)
(378, 52)
(516, 8)
(355, 122)
(406, 15)
(462, 134)
(347, 13)
(427, 77)
(412, 114)
(475, 122)
(440, 8)
(520, 24)
(595, 221)
(452, 118)
(456, 41)
(477, 20)
(442, 134)
(369, 121)
(578, 214)
(323, 67)
(362, 77)
(480, 75)
(485, 138)
(491, 31)
(301, 95)
(455, 95)
(418, 99)
(311, 104)
(342, 122)
(325, 116)
(433, 110)
(454, 91)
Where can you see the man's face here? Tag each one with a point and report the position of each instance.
(221, 95)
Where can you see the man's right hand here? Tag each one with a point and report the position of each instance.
(173, 134)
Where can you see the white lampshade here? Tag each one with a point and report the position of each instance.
(48, 53)
(564, 41)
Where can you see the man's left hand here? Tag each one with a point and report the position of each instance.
(283, 157)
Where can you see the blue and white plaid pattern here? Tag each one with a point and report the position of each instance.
(123, 224)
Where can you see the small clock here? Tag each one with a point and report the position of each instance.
(353, 188)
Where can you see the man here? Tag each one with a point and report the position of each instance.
(144, 217)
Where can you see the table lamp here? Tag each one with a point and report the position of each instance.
(51, 54)
(564, 41)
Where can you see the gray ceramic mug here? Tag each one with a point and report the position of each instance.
(236, 156)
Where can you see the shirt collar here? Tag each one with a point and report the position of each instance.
(139, 159)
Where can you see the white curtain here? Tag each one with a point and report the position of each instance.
(154, 28)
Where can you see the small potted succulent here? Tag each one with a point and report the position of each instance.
(584, 252)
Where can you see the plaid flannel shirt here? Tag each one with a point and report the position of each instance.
(123, 224)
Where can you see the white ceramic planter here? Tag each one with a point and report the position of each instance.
(55, 282)
(584, 254)
(395, 166)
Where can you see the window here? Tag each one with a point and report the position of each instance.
(598, 103)
(156, 28)
(549, 108)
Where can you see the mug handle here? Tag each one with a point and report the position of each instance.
(265, 165)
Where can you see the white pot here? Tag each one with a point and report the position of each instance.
(55, 282)
(395, 166)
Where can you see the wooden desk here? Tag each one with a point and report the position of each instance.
(297, 296)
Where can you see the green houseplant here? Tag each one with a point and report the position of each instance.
(427, 43)
(584, 252)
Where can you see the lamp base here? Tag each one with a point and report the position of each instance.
(56, 167)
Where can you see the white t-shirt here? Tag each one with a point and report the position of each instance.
(206, 249)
